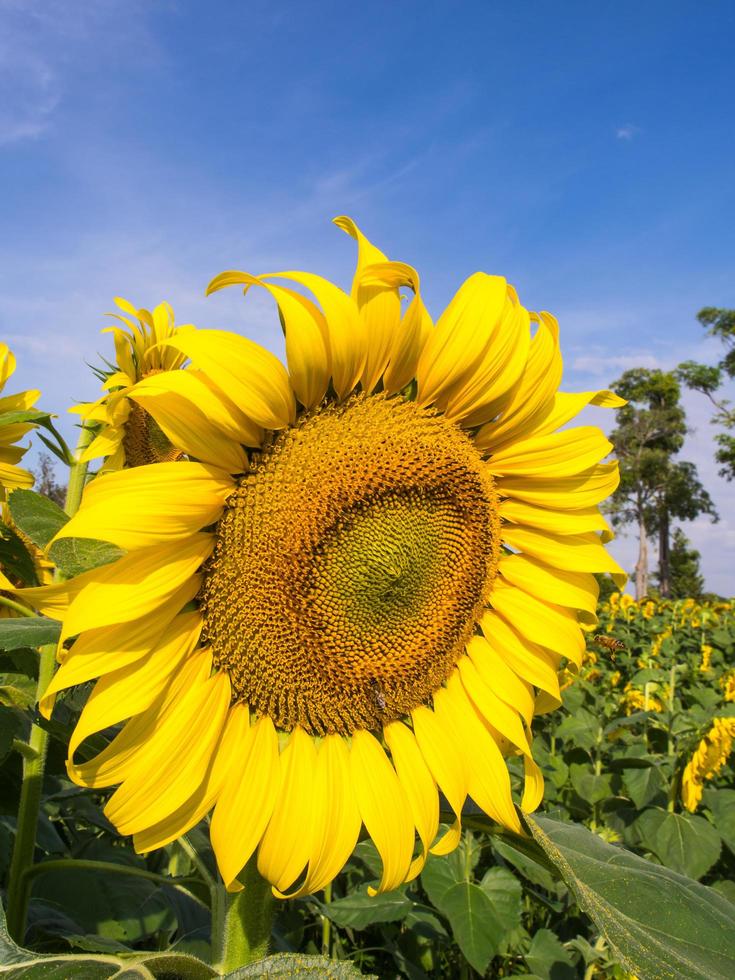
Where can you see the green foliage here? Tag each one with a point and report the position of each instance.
(709, 378)
(686, 577)
(654, 486)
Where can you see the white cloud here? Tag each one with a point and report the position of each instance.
(627, 132)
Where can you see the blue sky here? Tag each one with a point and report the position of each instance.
(583, 150)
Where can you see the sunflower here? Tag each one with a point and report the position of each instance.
(128, 436)
(351, 594)
(11, 475)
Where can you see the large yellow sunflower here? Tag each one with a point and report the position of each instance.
(128, 436)
(324, 629)
(11, 475)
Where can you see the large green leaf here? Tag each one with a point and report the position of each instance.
(548, 959)
(15, 559)
(643, 785)
(17, 963)
(475, 923)
(37, 517)
(359, 910)
(660, 924)
(20, 416)
(77, 555)
(721, 802)
(682, 841)
(31, 631)
(294, 966)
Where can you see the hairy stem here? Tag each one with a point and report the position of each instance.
(246, 925)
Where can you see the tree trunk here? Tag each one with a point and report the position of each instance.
(641, 568)
(664, 561)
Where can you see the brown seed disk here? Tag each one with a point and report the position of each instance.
(351, 566)
(143, 440)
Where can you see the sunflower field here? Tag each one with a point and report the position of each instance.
(308, 677)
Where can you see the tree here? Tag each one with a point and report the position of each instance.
(686, 577)
(46, 482)
(708, 379)
(653, 486)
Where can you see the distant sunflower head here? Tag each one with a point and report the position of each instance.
(11, 475)
(127, 435)
(354, 591)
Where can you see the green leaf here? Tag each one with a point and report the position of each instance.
(548, 959)
(294, 966)
(475, 924)
(37, 517)
(643, 785)
(12, 725)
(659, 923)
(721, 803)
(504, 891)
(17, 962)
(31, 631)
(15, 558)
(23, 415)
(590, 786)
(359, 911)
(76, 555)
(682, 841)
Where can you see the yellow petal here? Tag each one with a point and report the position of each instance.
(419, 786)
(249, 375)
(347, 342)
(189, 426)
(533, 396)
(488, 780)
(492, 708)
(384, 808)
(378, 303)
(54, 600)
(490, 388)
(562, 454)
(500, 676)
(127, 753)
(135, 585)
(527, 659)
(559, 521)
(131, 689)
(13, 477)
(146, 505)
(98, 652)
(533, 786)
(246, 802)
(572, 552)
(446, 763)
(548, 625)
(229, 750)
(461, 338)
(567, 405)
(177, 760)
(7, 363)
(563, 493)
(576, 590)
(335, 822)
(20, 402)
(105, 444)
(284, 849)
(307, 346)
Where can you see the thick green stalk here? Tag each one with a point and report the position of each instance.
(16, 606)
(34, 761)
(246, 927)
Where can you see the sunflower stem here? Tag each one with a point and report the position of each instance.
(34, 761)
(246, 924)
(16, 606)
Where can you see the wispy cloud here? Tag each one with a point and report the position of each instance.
(627, 132)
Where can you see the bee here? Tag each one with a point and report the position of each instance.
(377, 694)
(608, 642)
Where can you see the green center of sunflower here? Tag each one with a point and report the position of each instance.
(351, 565)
